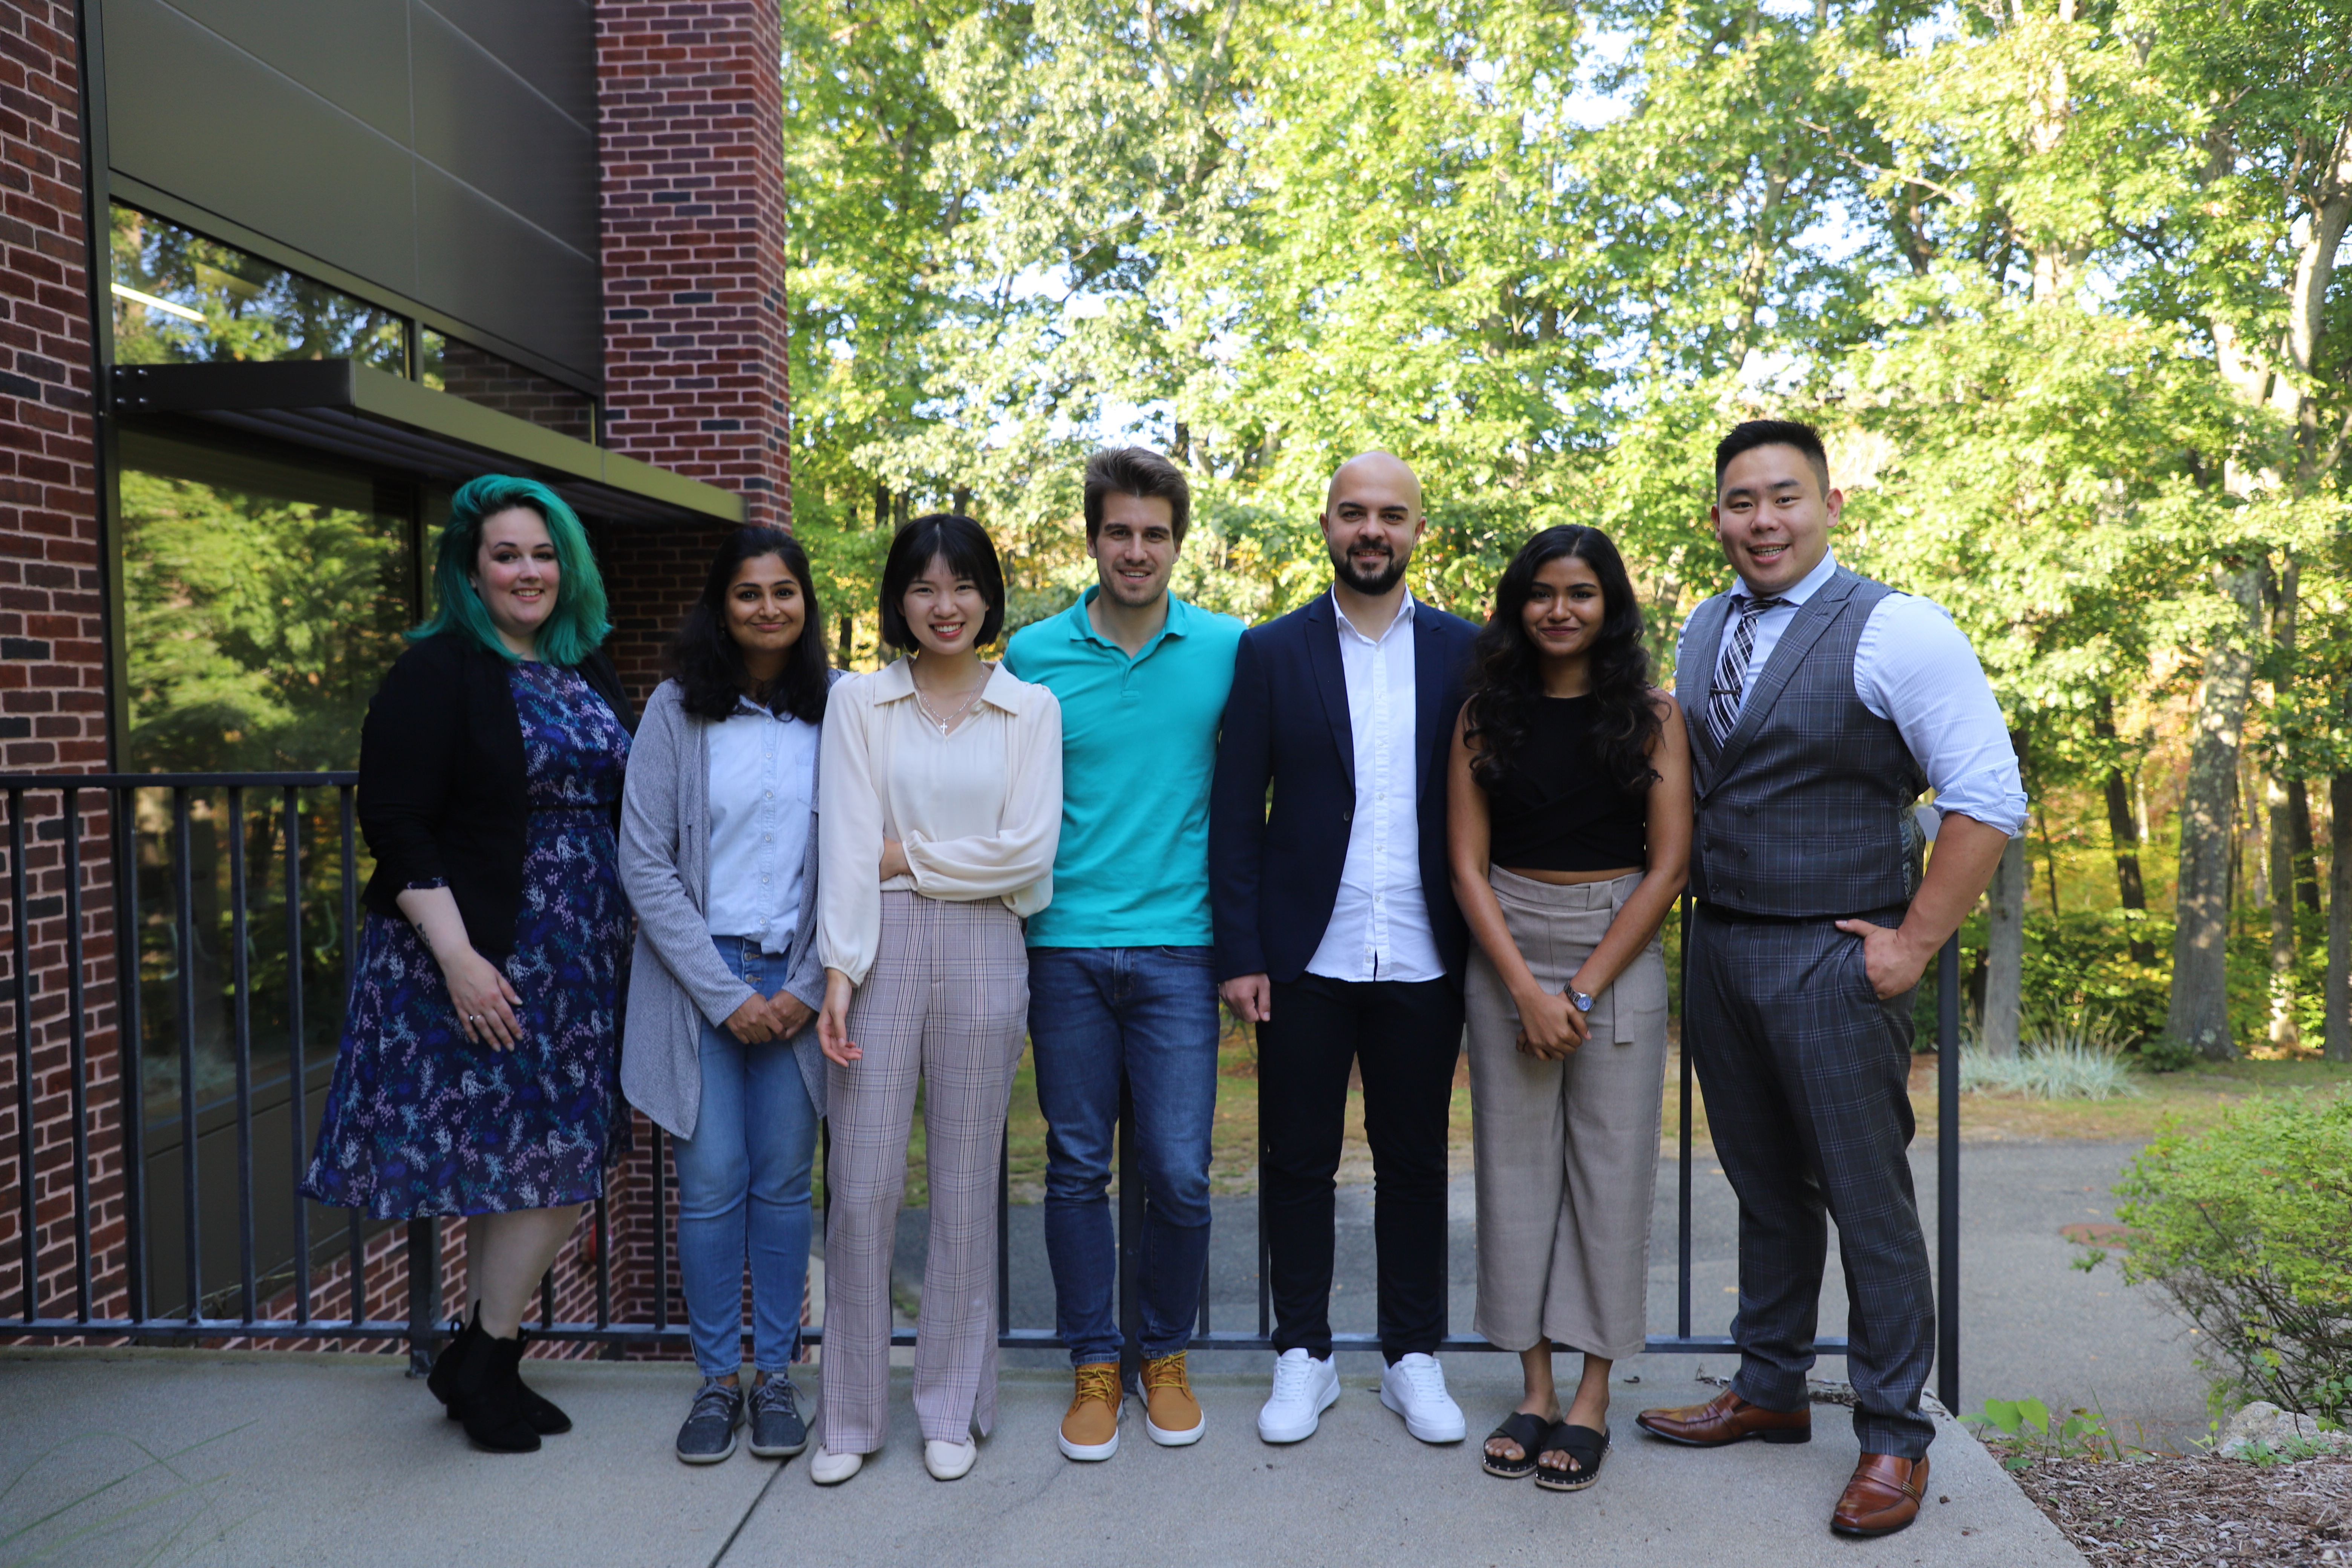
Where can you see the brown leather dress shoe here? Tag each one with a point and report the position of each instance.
(1883, 1497)
(1726, 1418)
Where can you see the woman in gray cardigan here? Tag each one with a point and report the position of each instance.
(718, 856)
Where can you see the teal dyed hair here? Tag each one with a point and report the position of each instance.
(577, 627)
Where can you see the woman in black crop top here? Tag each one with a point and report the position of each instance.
(1569, 825)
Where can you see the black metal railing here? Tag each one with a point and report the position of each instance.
(174, 802)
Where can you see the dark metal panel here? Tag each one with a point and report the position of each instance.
(550, 43)
(476, 121)
(193, 113)
(480, 262)
(352, 53)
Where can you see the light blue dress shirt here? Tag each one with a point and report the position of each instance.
(762, 777)
(1914, 668)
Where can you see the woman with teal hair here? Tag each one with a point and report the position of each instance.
(477, 1076)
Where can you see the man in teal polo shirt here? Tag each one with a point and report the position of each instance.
(1120, 973)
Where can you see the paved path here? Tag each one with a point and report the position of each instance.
(319, 1461)
(2031, 1323)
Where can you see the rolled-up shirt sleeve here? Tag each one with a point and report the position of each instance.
(1916, 668)
(1015, 863)
(850, 838)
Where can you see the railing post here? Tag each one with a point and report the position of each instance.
(78, 1044)
(19, 911)
(1947, 1175)
(1130, 1241)
(1683, 1147)
(424, 1294)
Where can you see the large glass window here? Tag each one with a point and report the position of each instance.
(180, 297)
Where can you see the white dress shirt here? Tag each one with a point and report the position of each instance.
(1916, 668)
(978, 810)
(1379, 926)
(762, 771)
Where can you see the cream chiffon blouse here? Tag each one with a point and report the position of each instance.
(978, 810)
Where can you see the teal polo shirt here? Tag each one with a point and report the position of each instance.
(1139, 746)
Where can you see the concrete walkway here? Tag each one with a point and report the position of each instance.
(262, 1460)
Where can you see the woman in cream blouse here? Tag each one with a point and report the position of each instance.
(942, 778)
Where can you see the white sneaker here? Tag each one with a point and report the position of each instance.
(827, 1468)
(1415, 1389)
(949, 1461)
(1304, 1388)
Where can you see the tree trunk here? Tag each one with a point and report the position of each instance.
(2283, 1034)
(2339, 919)
(2123, 833)
(2005, 952)
(2306, 852)
(2199, 1011)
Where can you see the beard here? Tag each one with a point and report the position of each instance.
(1371, 584)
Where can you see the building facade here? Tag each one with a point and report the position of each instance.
(275, 277)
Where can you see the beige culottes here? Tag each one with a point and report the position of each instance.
(947, 1003)
(1567, 1152)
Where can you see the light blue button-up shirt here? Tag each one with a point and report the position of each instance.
(763, 777)
(1916, 668)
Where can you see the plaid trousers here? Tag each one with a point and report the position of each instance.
(1804, 1070)
(947, 1004)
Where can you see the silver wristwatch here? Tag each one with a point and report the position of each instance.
(1580, 1000)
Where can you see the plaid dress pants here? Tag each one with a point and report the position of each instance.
(1805, 1073)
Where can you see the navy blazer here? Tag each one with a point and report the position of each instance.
(1274, 874)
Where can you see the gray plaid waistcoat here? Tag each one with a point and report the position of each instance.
(1805, 811)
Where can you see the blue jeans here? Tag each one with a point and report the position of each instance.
(743, 1185)
(1150, 1012)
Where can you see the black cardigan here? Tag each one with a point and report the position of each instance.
(442, 780)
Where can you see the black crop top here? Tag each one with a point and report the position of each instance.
(1559, 808)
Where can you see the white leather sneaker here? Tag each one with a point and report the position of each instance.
(1415, 1389)
(949, 1461)
(827, 1468)
(1304, 1388)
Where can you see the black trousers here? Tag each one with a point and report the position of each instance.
(1406, 1036)
(1804, 1070)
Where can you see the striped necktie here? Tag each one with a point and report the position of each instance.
(1731, 675)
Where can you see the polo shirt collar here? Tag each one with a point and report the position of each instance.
(1004, 690)
(1082, 625)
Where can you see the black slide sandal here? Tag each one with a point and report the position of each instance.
(1581, 1443)
(1527, 1431)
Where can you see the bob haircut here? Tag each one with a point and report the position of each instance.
(1506, 678)
(704, 660)
(576, 626)
(960, 543)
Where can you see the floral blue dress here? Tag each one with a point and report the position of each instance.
(419, 1121)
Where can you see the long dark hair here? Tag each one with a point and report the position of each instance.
(702, 656)
(1507, 680)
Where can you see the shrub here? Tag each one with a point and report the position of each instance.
(2248, 1228)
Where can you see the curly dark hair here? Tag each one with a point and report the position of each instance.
(702, 656)
(1507, 677)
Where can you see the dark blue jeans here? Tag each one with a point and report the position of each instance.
(1151, 1014)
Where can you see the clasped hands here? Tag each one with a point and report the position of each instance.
(764, 1018)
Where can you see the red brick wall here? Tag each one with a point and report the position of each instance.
(690, 123)
(52, 715)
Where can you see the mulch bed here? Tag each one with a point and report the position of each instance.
(2198, 1510)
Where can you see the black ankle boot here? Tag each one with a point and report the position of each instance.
(545, 1419)
(465, 1341)
(489, 1397)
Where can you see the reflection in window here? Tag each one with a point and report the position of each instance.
(179, 296)
(460, 369)
(262, 604)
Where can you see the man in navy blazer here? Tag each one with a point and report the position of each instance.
(1338, 936)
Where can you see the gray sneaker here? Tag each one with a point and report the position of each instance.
(777, 1430)
(709, 1435)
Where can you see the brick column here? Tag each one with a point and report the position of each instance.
(53, 712)
(690, 113)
